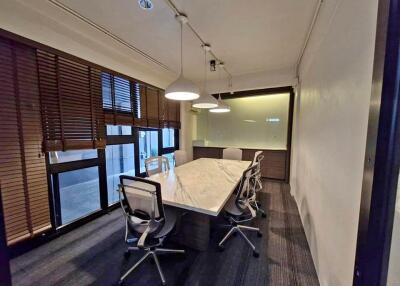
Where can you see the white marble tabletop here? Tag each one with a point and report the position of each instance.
(203, 185)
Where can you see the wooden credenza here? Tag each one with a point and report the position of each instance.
(274, 166)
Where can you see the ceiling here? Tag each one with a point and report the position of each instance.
(249, 36)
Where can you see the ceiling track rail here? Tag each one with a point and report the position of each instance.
(177, 12)
(108, 33)
(310, 30)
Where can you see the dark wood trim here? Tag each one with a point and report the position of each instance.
(73, 165)
(120, 139)
(37, 45)
(255, 92)
(289, 135)
(101, 154)
(382, 156)
(5, 276)
(50, 192)
(57, 201)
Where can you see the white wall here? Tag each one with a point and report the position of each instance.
(330, 133)
(186, 133)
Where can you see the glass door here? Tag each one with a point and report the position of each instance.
(148, 146)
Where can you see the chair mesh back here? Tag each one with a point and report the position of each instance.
(232, 154)
(180, 157)
(246, 192)
(155, 165)
(143, 197)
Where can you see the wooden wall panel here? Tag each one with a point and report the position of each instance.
(207, 152)
(273, 166)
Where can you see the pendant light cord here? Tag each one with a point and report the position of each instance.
(205, 70)
(219, 78)
(181, 49)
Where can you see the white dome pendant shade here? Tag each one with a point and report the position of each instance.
(221, 108)
(182, 88)
(205, 101)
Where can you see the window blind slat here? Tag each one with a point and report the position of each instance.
(72, 103)
(23, 170)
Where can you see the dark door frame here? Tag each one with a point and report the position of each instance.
(382, 156)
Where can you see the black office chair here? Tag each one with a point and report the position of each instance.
(146, 219)
(239, 209)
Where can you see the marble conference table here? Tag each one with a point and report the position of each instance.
(203, 185)
(199, 190)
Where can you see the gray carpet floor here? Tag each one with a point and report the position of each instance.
(93, 254)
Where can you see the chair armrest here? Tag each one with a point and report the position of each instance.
(143, 237)
(152, 225)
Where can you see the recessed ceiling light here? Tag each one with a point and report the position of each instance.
(273, 120)
(249, 120)
(145, 4)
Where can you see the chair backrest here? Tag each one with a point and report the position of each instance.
(181, 157)
(245, 191)
(155, 165)
(256, 155)
(232, 154)
(142, 198)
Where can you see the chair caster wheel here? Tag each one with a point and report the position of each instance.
(255, 254)
(259, 234)
(221, 248)
(127, 254)
(263, 215)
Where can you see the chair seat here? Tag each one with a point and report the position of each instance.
(170, 221)
(232, 208)
(171, 216)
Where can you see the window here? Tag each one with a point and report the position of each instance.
(122, 94)
(75, 184)
(120, 160)
(168, 137)
(170, 157)
(148, 146)
(79, 193)
(73, 155)
(115, 130)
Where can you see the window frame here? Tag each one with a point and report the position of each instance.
(53, 171)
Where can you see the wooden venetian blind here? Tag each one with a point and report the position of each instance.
(173, 114)
(22, 165)
(152, 107)
(71, 101)
(131, 103)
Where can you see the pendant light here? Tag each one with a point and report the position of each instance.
(222, 106)
(205, 100)
(182, 88)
